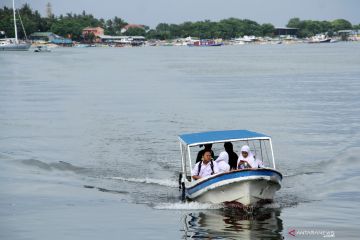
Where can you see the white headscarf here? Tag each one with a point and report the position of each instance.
(223, 162)
(250, 159)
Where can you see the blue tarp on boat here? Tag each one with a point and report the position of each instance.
(219, 136)
(61, 41)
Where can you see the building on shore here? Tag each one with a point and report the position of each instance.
(49, 37)
(93, 33)
(42, 37)
(349, 35)
(284, 32)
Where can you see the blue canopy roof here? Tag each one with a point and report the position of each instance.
(61, 41)
(219, 136)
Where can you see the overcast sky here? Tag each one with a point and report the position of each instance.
(152, 12)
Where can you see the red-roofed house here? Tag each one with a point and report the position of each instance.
(97, 31)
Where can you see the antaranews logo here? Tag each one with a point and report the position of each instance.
(292, 232)
(310, 233)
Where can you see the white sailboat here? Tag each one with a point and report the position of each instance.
(13, 44)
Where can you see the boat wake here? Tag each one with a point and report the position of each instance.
(63, 166)
(161, 182)
(206, 206)
(188, 206)
(302, 173)
(273, 205)
(106, 190)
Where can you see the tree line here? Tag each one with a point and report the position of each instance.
(71, 26)
(308, 28)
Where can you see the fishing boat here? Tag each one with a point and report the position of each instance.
(13, 44)
(247, 187)
(320, 38)
(205, 43)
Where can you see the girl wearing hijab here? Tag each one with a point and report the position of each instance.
(222, 162)
(247, 159)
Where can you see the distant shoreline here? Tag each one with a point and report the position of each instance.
(72, 26)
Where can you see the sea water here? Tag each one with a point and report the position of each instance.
(89, 148)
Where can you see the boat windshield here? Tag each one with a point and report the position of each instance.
(261, 149)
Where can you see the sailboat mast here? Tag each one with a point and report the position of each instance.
(16, 36)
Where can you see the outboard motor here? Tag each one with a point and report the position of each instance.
(182, 187)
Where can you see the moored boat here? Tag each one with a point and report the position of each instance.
(205, 43)
(42, 48)
(321, 38)
(321, 41)
(248, 186)
(9, 44)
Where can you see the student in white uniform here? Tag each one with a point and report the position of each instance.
(223, 162)
(206, 167)
(247, 159)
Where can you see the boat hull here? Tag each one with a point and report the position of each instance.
(206, 45)
(328, 40)
(246, 187)
(15, 47)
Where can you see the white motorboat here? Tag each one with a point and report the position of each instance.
(248, 186)
(320, 38)
(42, 48)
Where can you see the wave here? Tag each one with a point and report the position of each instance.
(272, 205)
(64, 166)
(106, 190)
(188, 206)
(162, 182)
(347, 159)
(302, 173)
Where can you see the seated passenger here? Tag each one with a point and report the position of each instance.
(222, 162)
(233, 157)
(201, 152)
(247, 159)
(206, 167)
